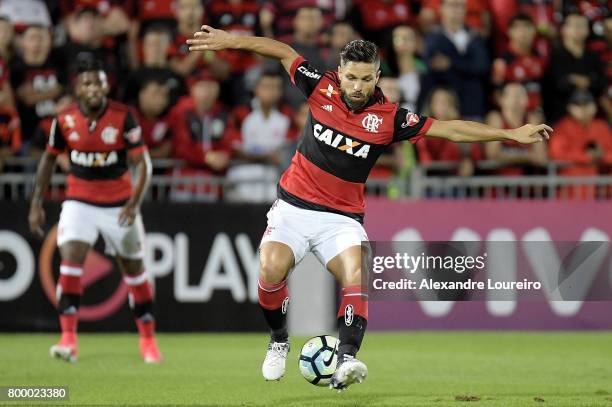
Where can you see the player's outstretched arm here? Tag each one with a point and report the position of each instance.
(144, 170)
(36, 216)
(212, 39)
(461, 131)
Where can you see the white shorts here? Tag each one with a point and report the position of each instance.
(325, 234)
(83, 222)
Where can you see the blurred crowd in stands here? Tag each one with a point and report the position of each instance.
(236, 115)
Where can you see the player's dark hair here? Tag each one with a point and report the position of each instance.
(360, 51)
(520, 18)
(87, 63)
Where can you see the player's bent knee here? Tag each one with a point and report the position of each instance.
(273, 272)
(276, 259)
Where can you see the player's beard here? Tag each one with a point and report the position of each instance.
(353, 104)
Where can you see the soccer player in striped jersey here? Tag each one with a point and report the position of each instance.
(102, 139)
(320, 204)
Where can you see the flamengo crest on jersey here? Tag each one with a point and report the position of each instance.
(371, 122)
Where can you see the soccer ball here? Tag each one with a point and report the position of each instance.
(318, 359)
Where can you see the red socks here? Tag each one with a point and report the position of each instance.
(141, 302)
(274, 301)
(69, 292)
(354, 302)
(352, 319)
(273, 295)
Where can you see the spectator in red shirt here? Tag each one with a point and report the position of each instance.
(603, 47)
(10, 134)
(595, 10)
(86, 41)
(521, 62)
(581, 139)
(240, 17)
(189, 17)
(144, 13)
(265, 130)
(6, 38)
(37, 77)
(542, 13)
(443, 104)
(572, 66)
(115, 21)
(375, 19)
(152, 114)
(201, 137)
(478, 17)
(155, 65)
(514, 113)
(307, 42)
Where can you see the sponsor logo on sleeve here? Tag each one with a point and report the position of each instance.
(411, 120)
(134, 135)
(311, 74)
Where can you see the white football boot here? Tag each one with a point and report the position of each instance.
(64, 352)
(350, 370)
(273, 367)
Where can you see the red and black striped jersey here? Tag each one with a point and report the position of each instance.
(339, 147)
(98, 152)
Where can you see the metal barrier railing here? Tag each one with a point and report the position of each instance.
(17, 183)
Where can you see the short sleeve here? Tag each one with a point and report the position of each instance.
(304, 76)
(57, 142)
(133, 135)
(409, 126)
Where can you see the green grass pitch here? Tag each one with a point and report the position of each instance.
(405, 369)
